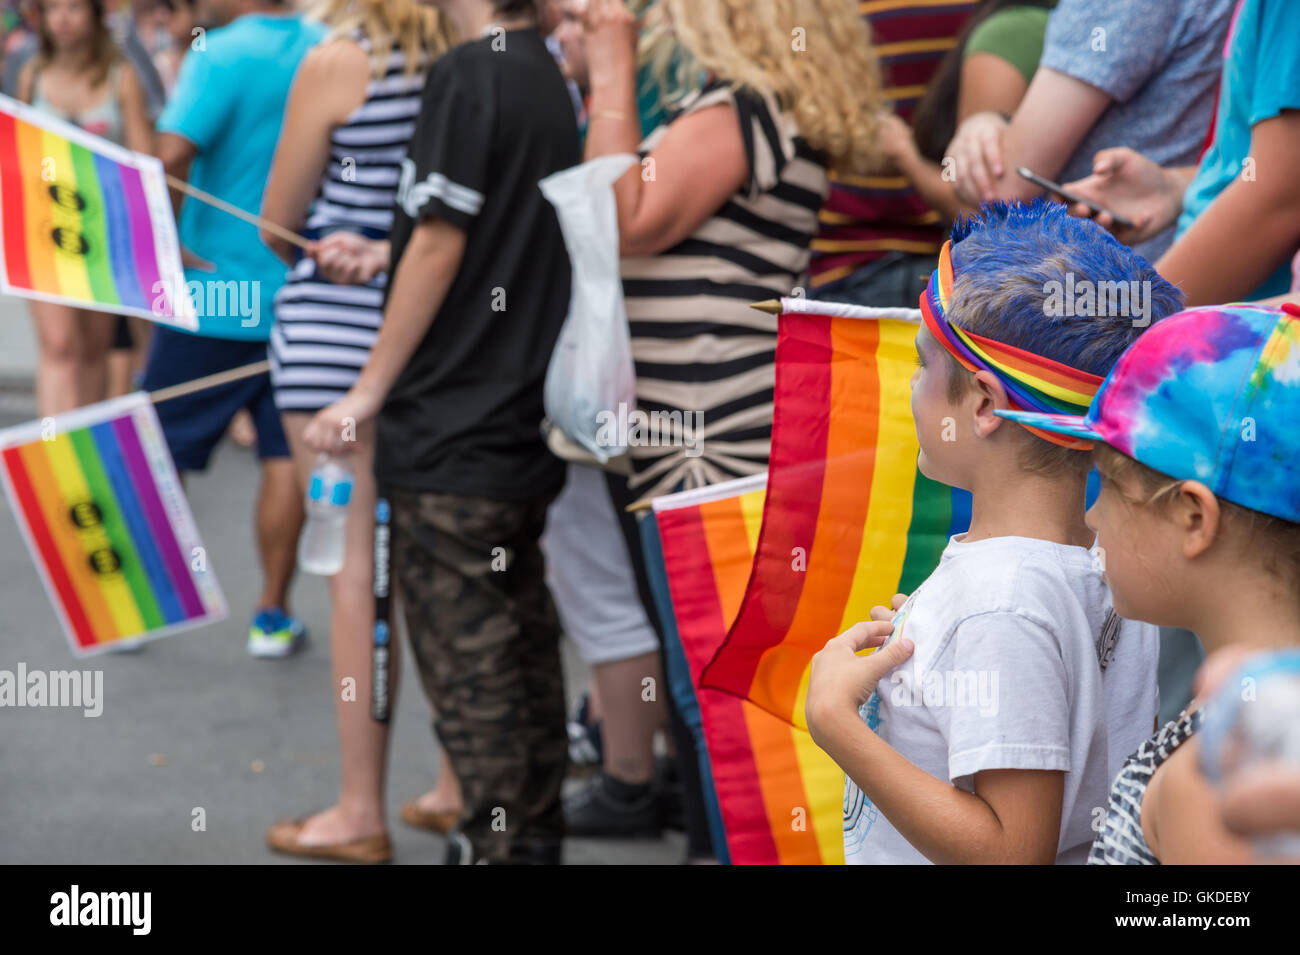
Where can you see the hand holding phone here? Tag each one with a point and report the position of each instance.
(1073, 197)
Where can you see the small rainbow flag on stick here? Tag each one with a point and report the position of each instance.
(99, 504)
(849, 520)
(781, 797)
(85, 222)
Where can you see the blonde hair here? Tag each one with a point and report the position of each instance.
(814, 56)
(413, 27)
(1271, 540)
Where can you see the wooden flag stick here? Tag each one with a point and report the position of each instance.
(636, 506)
(199, 194)
(209, 381)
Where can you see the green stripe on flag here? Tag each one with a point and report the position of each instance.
(94, 228)
(927, 535)
(118, 534)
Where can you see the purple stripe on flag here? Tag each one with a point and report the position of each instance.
(142, 478)
(118, 223)
(142, 241)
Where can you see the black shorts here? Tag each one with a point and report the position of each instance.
(123, 340)
(194, 424)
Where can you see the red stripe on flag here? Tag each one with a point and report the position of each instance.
(698, 611)
(11, 201)
(844, 491)
(803, 372)
(53, 563)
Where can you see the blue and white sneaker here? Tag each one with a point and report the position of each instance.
(275, 634)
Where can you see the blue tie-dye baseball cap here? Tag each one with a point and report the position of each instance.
(1209, 394)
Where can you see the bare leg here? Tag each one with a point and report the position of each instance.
(629, 721)
(119, 372)
(445, 796)
(57, 387)
(363, 742)
(95, 331)
(241, 430)
(279, 520)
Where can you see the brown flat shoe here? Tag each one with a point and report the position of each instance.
(284, 837)
(441, 821)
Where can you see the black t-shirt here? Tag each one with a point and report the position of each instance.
(464, 415)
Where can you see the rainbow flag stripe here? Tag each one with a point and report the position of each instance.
(101, 508)
(781, 797)
(85, 222)
(849, 520)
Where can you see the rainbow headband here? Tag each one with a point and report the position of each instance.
(1032, 382)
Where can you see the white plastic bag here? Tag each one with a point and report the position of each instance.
(591, 380)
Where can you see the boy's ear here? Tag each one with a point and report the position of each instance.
(1197, 514)
(989, 396)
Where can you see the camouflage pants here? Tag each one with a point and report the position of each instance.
(486, 639)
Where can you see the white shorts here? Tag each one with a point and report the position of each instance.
(590, 574)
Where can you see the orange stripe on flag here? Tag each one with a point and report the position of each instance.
(38, 217)
(731, 553)
(76, 561)
(851, 444)
(766, 773)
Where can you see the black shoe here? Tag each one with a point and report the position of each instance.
(459, 850)
(610, 808)
(540, 854)
(672, 797)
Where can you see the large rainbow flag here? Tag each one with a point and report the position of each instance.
(99, 504)
(849, 520)
(781, 798)
(85, 222)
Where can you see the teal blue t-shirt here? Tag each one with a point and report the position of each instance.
(229, 102)
(1261, 77)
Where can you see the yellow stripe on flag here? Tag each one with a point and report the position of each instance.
(889, 511)
(36, 215)
(823, 781)
(751, 509)
(74, 280)
(54, 509)
(72, 484)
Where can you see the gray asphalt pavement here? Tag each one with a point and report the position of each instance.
(191, 722)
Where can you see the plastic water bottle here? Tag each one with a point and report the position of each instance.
(1253, 719)
(320, 547)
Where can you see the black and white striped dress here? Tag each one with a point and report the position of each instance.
(699, 349)
(323, 332)
(1121, 841)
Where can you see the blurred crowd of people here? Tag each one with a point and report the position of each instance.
(812, 147)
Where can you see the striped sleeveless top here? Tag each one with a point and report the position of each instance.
(323, 332)
(705, 360)
(1121, 841)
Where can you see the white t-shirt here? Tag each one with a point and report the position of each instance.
(1005, 675)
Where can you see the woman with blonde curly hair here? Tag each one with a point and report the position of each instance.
(350, 115)
(764, 97)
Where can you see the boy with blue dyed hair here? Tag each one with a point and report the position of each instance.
(1015, 692)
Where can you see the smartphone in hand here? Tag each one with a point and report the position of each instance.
(1057, 189)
